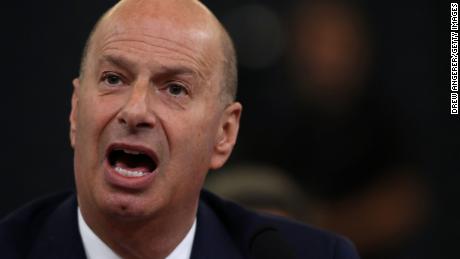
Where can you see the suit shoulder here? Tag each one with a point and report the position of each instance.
(19, 228)
(33, 211)
(306, 241)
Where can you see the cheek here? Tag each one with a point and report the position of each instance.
(92, 118)
(192, 141)
(96, 112)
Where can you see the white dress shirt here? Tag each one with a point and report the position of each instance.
(95, 248)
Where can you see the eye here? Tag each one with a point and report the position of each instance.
(176, 89)
(112, 79)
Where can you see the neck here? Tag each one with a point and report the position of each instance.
(154, 237)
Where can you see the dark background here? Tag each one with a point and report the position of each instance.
(407, 105)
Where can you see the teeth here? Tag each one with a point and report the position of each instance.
(129, 173)
(131, 152)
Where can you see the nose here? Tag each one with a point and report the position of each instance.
(136, 113)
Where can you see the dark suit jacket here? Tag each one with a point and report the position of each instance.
(48, 228)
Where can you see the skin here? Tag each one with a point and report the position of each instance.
(153, 78)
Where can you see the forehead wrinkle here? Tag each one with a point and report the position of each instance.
(111, 55)
(181, 52)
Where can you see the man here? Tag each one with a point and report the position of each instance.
(152, 111)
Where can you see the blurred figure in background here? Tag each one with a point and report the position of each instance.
(362, 177)
(260, 187)
(330, 105)
(330, 54)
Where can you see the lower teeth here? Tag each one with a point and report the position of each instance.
(129, 173)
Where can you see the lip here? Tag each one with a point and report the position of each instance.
(145, 150)
(131, 183)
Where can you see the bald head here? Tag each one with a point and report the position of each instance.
(177, 17)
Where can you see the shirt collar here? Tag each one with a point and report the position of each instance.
(95, 248)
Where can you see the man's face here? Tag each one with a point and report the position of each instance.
(147, 117)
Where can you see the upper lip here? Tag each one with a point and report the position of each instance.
(133, 147)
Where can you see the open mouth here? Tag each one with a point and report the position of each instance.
(131, 162)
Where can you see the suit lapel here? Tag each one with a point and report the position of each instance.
(212, 239)
(60, 237)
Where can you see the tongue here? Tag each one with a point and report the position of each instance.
(133, 167)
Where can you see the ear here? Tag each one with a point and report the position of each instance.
(73, 112)
(226, 135)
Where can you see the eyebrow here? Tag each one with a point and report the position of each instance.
(117, 61)
(125, 63)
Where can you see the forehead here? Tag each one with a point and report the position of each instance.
(158, 29)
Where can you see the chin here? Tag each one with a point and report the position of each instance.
(127, 206)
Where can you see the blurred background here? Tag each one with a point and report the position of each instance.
(346, 122)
